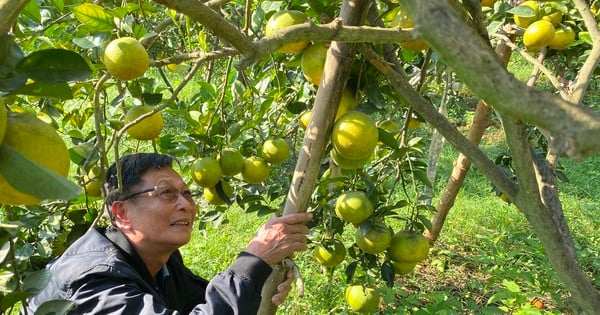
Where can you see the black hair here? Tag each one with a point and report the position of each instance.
(133, 167)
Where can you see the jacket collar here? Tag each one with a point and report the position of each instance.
(118, 238)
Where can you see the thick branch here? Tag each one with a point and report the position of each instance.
(439, 122)
(9, 11)
(213, 21)
(340, 57)
(333, 31)
(440, 24)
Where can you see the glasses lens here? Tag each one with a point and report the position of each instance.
(171, 194)
(168, 194)
(188, 196)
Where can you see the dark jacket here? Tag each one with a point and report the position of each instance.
(102, 274)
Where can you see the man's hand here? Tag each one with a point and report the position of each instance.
(283, 289)
(280, 237)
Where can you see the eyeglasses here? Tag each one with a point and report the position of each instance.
(168, 194)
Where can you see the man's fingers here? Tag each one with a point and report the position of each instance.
(294, 218)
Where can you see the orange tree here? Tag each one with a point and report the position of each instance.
(218, 82)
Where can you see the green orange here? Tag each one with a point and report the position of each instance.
(206, 171)
(283, 19)
(39, 142)
(353, 207)
(355, 135)
(126, 58)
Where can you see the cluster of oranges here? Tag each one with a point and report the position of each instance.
(403, 250)
(543, 25)
(208, 172)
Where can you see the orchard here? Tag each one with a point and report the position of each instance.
(339, 108)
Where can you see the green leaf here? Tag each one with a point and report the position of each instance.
(10, 55)
(426, 222)
(36, 281)
(39, 182)
(522, 11)
(46, 89)
(511, 286)
(54, 65)
(152, 99)
(94, 16)
(32, 11)
(350, 271)
(91, 41)
(388, 273)
(55, 307)
(59, 4)
(11, 299)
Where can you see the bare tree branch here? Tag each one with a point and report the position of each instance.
(213, 21)
(574, 128)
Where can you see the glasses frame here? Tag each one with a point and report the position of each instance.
(186, 194)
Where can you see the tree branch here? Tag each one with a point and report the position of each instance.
(440, 123)
(333, 31)
(9, 11)
(574, 127)
(213, 21)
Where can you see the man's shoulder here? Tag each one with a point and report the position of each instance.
(91, 251)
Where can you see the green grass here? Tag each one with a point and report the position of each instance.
(487, 260)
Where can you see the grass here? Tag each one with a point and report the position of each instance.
(487, 260)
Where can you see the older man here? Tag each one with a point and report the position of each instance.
(134, 266)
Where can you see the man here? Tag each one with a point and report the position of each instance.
(134, 266)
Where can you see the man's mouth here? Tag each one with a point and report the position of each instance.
(180, 223)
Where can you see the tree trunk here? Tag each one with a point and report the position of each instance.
(537, 196)
(539, 201)
(9, 11)
(481, 120)
(340, 57)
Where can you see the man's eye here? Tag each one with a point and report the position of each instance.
(169, 192)
(187, 194)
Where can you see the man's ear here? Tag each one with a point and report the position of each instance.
(120, 213)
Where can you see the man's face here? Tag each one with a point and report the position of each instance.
(160, 219)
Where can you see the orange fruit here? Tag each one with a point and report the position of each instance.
(403, 268)
(313, 62)
(405, 22)
(231, 161)
(283, 19)
(373, 237)
(487, 3)
(275, 150)
(347, 164)
(524, 21)
(126, 58)
(355, 135)
(148, 128)
(330, 252)
(538, 34)
(563, 37)
(407, 246)
(37, 141)
(353, 207)
(305, 118)
(206, 171)
(255, 170)
(362, 299)
(211, 195)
